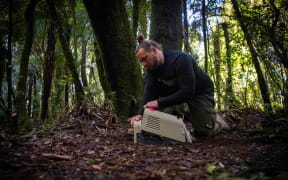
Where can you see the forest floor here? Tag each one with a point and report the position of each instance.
(89, 146)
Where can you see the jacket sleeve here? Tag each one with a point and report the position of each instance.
(150, 92)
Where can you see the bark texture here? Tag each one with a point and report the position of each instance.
(166, 23)
(64, 40)
(23, 121)
(49, 68)
(116, 43)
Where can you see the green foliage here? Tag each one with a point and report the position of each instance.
(245, 86)
(47, 126)
(266, 23)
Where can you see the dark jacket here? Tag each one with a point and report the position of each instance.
(176, 81)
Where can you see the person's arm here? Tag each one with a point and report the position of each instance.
(186, 81)
(150, 92)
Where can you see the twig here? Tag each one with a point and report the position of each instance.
(56, 156)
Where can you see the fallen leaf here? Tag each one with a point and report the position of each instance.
(96, 167)
(211, 168)
(90, 152)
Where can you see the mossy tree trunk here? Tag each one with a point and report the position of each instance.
(49, 68)
(9, 63)
(114, 35)
(64, 40)
(135, 16)
(217, 63)
(3, 57)
(144, 12)
(83, 63)
(166, 23)
(230, 98)
(102, 71)
(23, 121)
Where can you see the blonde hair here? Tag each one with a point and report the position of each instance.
(146, 44)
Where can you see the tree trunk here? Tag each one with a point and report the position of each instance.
(229, 97)
(9, 64)
(166, 23)
(285, 94)
(61, 81)
(92, 75)
(66, 94)
(59, 86)
(103, 73)
(278, 36)
(143, 22)
(186, 28)
(3, 57)
(135, 16)
(83, 63)
(261, 80)
(72, 5)
(139, 23)
(279, 48)
(217, 62)
(35, 112)
(204, 31)
(114, 35)
(49, 68)
(23, 120)
(67, 52)
(29, 97)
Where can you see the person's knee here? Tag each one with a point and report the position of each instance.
(204, 128)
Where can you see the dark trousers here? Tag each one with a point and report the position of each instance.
(200, 112)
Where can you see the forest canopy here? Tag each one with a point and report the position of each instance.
(65, 54)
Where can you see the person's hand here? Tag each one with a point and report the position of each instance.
(151, 104)
(135, 118)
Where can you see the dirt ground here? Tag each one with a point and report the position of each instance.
(89, 146)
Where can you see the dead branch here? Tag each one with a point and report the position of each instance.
(57, 156)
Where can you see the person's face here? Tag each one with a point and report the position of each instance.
(148, 59)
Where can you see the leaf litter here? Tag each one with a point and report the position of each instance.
(92, 144)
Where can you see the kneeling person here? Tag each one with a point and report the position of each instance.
(175, 84)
